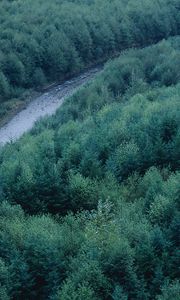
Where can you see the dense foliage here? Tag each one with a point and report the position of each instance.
(109, 160)
(44, 41)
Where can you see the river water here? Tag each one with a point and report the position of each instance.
(46, 104)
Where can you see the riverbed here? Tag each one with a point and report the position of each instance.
(45, 104)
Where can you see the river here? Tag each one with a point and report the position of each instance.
(45, 104)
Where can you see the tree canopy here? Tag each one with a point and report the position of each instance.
(90, 197)
(46, 41)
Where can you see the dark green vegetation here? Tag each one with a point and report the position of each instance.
(98, 188)
(45, 41)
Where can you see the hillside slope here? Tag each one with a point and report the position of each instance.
(98, 186)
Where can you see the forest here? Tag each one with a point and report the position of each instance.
(47, 41)
(90, 197)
